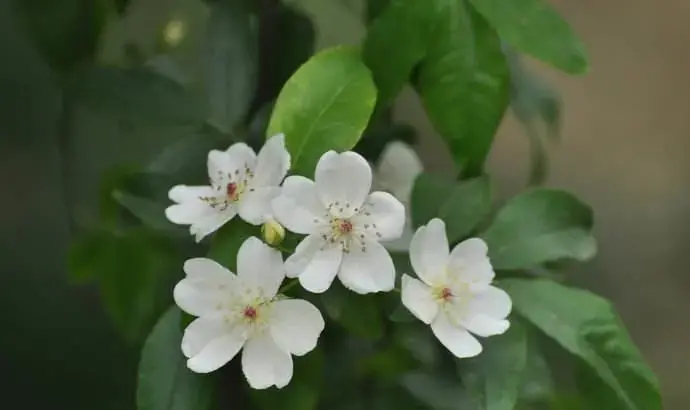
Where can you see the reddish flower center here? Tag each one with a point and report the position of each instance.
(345, 227)
(249, 313)
(231, 190)
(446, 294)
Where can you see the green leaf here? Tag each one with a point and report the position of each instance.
(537, 381)
(324, 106)
(533, 27)
(464, 84)
(461, 205)
(65, 32)
(164, 382)
(375, 8)
(437, 392)
(135, 271)
(587, 326)
(230, 61)
(358, 314)
(405, 22)
(538, 226)
(138, 96)
(495, 377)
(227, 240)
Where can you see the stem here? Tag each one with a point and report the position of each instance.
(288, 286)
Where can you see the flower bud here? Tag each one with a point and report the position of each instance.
(272, 232)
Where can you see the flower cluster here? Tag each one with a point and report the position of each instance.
(347, 230)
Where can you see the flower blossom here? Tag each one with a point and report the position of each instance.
(241, 183)
(395, 172)
(454, 295)
(344, 223)
(244, 311)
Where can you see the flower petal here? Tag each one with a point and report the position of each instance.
(383, 216)
(304, 253)
(296, 325)
(398, 167)
(418, 299)
(401, 244)
(321, 270)
(429, 252)
(264, 364)
(259, 265)
(186, 193)
(232, 164)
(254, 206)
(493, 302)
(201, 332)
(207, 285)
(368, 269)
(217, 352)
(297, 207)
(189, 207)
(343, 182)
(456, 339)
(469, 260)
(485, 326)
(211, 222)
(272, 163)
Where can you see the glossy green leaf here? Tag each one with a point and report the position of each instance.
(537, 381)
(461, 205)
(494, 378)
(227, 240)
(464, 83)
(164, 381)
(587, 326)
(230, 61)
(65, 32)
(437, 392)
(534, 27)
(538, 226)
(405, 22)
(360, 315)
(324, 106)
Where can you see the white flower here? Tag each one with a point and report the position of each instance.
(243, 310)
(344, 224)
(454, 295)
(241, 182)
(396, 171)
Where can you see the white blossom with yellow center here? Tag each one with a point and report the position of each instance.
(344, 223)
(244, 311)
(454, 295)
(241, 183)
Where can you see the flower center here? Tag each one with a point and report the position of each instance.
(345, 227)
(234, 190)
(250, 313)
(443, 294)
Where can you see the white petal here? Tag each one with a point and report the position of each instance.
(321, 270)
(260, 266)
(186, 193)
(296, 325)
(206, 286)
(254, 206)
(429, 252)
(189, 207)
(456, 339)
(304, 253)
(217, 352)
(493, 302)
(398, 167)
(485, 326)
(264, 364)
(232, 164)
(418, 299)
(211, 223)
(297, 207)
(343, 181)
(368, 271)
(382, 216)
(272, 163)
(201, 332)
(401, 244)
(469, 260)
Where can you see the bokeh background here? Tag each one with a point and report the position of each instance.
(625, 150)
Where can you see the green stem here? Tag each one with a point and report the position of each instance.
(288, 286)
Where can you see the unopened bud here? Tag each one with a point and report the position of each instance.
(272, 232)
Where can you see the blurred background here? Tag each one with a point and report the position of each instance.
(625, 150)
